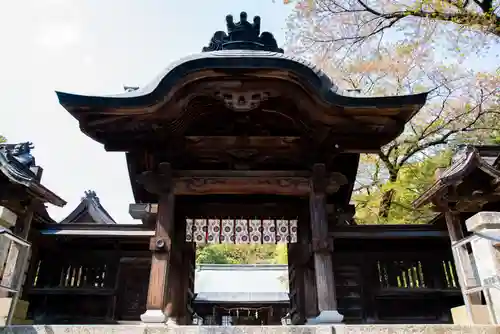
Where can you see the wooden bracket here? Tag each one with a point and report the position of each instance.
(142, 210)
(157, 182)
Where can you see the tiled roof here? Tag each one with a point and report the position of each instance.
(18, 165)
(89, 210)
(470, 158)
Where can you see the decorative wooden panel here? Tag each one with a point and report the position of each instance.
(133, 291)
(241, 231)
(349, 288)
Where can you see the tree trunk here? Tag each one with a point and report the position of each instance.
(387, 197)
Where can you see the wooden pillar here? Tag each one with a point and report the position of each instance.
(309, 280)
(310, 292)
(322, 246)
(33, 264)
(161, 244)
(183, 288)
(191, 277)
(296, 284)
(176, 303)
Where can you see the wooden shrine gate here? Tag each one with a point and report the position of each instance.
(253, 135)
(174, 189)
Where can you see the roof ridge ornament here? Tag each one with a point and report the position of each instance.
(91, 195)
(243, 35)
(21, 152)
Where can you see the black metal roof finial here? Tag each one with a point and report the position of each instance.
(243, 35)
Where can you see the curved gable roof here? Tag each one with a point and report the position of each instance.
(88, 211)
(16, 163)
(485, 159)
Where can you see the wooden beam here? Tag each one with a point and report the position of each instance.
(242, 174)
(203, 208)
(388, 232)
(255, 182)
(115, 233)
(474, 196)
(71, 291)
(240, 142)
(202, 144)
(203, 182)
(262, 210)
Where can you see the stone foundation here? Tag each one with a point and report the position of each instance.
(480, 315)
(19, 313)
(337, 329)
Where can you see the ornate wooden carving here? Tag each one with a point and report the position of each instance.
(272, 183)
(198, 143)
(296, 186)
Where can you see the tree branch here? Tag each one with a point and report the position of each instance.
(487, 19)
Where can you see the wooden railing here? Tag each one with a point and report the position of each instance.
(417, 274)
(89, 275)
(396, 288)
(74, 287)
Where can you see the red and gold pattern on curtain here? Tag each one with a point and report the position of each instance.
(241, 231)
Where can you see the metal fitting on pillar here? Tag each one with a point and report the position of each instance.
(158, 244)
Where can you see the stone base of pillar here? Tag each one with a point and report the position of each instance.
(326, 318)
(153, 317)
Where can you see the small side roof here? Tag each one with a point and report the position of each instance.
(237, 283)
(475, 170)
(89, 211)
(18, 166)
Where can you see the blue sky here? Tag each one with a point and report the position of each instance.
(95, 47)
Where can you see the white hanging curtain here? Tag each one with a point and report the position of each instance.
(241, 231)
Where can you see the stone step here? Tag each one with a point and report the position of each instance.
(15, 321)
(338, 329)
